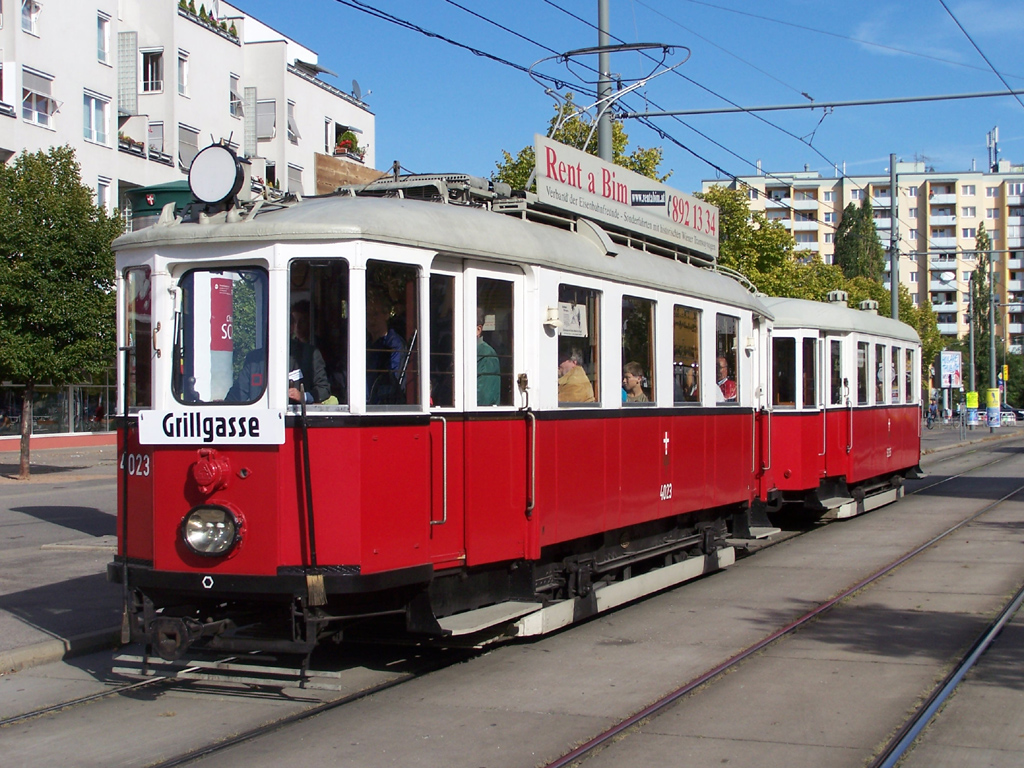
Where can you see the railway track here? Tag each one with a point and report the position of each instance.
(318, 708)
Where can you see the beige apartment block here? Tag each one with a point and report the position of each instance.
(938, 215)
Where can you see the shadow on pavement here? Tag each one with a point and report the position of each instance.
(67, 608)
(87, 520)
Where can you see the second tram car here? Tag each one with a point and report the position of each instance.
(845, 424)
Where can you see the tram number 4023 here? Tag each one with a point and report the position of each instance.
(137, 463)
(666, 491)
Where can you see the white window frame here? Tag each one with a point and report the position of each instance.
(991, 191)
(236, 107)
(266, 120)
(183, 132)
(293, 127)
(156, 127)
(150, 85)
(294, 174)
(829, 196)
(183, 73)
(37, 89)
(102, 38)
(103, 193)
(30, 10)
(97, 134)
(968, 189)
(992, 213)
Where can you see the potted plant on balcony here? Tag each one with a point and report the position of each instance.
(348, 145)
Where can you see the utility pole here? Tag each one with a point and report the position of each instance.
(894, 236)
(970, 314)
(604, 84)
(991, 328)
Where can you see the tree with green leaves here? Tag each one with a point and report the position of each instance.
(57, 305)
(573, 130)
(858, 251)
(748, 242)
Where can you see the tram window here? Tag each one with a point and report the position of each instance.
(139, 336)
(810, 373)
(392, 352)
(894, 374)
(637, 350)
(908, 377)
(442, 341)
(880, 374)
(685, 355)
(784, 371)
(319, 338)
(726, 354)
(836, 370)
(220, 337)
(863, 375)
(494, 323)
(579, 361)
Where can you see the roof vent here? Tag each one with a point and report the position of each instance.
(869, 305)
(838, 297)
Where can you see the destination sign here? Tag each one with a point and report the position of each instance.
(211, 426)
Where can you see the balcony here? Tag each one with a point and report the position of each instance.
(883, 222)
(1015, 264)
(941, 286)
(160, 157)
(1015, 242)
(942, 242)
(805, 226)
(947, 329)
(131, 146)
(942, 221)
(946, 199)
(1017, 328)
(940, 264)
(946, 306)
(1014, 285)
(804, 205)
(1014, 199)
(782, 202)
(881, 202)
(811, 247)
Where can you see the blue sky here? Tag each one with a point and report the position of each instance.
(442, 108)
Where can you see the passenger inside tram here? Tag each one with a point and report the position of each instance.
(573, 384)
(385, 353)
(633, 383)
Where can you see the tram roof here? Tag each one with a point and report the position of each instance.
(458, 230)
(801, 313)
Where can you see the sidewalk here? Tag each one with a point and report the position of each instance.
(59, 534)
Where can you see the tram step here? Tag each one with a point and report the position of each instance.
(482, 618)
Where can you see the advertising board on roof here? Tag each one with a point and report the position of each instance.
(584, 185)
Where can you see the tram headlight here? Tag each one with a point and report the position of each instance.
(210, 530)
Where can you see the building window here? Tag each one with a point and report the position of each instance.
(967, 189)
(913, 277)
(183, 73)
(916, 299)
(294, 179)
(37, 106)
(913, 234)
(156, 137)
(152, 71)
(993, 234)
(856, 194)
(234, 96)
(830, 217)
(293, 128)
(1015, 188)
(103, 193)
(95, 112)
(968, 210)
(188, 146)
(829, 196)
(103, 38)
(266, 120)
(752, 194)
(911, 191)
(991, 191)
(804, 195)
(805, 237)
(912, 213)
(991, 213)
(830, 237)
(30, 16)
(969, 232)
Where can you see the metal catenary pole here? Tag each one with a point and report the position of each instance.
(894, 272)
(604, 84)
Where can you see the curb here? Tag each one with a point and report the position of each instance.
(58, 649)
(966, 443)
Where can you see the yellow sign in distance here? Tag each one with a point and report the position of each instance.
(972, 399)
(992, 398)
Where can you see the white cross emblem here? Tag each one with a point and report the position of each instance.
(666, 442)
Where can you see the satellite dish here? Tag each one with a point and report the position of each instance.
(216, 175)
(947, 277)
(357, 92)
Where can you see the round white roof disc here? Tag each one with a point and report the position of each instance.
(216, 175)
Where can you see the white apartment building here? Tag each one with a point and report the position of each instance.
(938, 216)
(138, 87)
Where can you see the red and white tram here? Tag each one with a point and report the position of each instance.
(845, 424)
(462, 455)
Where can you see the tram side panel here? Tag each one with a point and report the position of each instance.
(798, 443)
(138, 464)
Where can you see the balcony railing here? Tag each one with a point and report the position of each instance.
(947, 329)
(941, 199)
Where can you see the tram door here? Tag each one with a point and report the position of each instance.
(479, 460)
(837, 426)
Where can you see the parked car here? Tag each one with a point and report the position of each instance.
(1018, 413)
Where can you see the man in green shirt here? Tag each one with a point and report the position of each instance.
(488, 376)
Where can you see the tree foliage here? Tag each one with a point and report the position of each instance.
(748, 242)
(573, 131)
(57, 305)
(857, 249)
